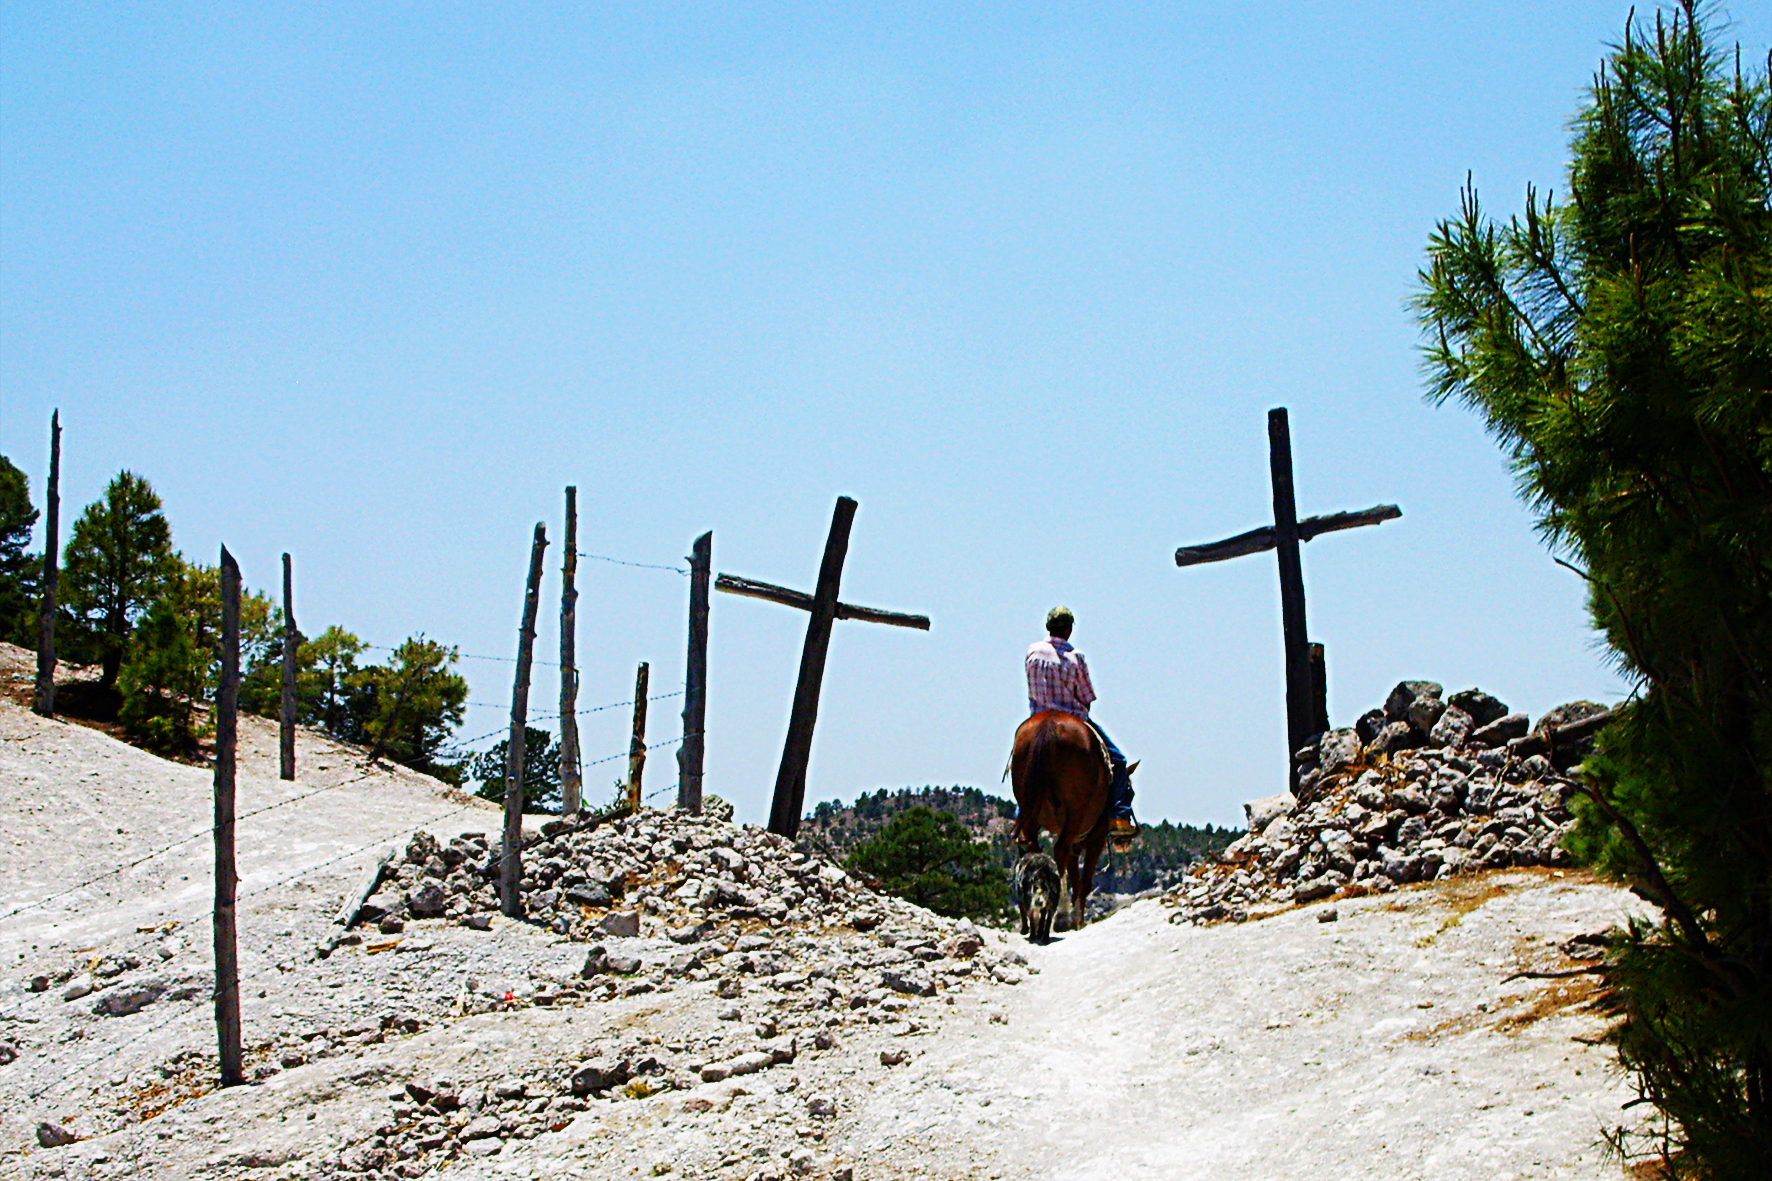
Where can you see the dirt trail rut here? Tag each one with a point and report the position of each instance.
(1386, 1044)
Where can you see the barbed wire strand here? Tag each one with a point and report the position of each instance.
(595, 709)
(273, 963)
(196, 836)
(639, 565)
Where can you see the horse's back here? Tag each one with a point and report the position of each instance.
(1056, 768)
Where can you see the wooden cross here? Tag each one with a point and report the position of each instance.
(1302, 715)
(822, 604)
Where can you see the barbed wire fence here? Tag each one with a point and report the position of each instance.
(158, 931)
(273, 962)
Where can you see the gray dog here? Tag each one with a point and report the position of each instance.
(1036, 888)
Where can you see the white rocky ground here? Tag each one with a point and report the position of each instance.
(1286, 1047)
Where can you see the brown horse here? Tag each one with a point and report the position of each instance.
(1062, 781)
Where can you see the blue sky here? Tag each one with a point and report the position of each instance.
(371, 283)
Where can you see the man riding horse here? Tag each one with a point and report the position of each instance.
(1058, 678)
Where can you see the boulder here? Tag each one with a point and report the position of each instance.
(427, 899)
(1500, 731)
(479, 1129)
(1396, 706)
(1424, 712)
(1268, 808)
(1338, 750)
(588, 894)
(130, 998)
(1395, 736)
(621, 923)
(378, 905)
(1453, 728)
(1562, 715)
(1482, 708)
(53, 1135)
(599, 1074)
(1370, 723)
(905, 978)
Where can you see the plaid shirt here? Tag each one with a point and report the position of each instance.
(1058, 678)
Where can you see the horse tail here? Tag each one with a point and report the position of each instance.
(1042, 772)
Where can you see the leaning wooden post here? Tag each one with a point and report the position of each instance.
(637, 743)
(511, 869)
(695, 679)
(286, 735)
(43, 699)
(227, 880)
(1319, 690)
(571, 777)
(790, 780)
(1298, 666)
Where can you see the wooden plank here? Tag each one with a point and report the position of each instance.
(692, 752)
(1335, 522)
(1255, 541)
(511, 858)
(286, 715)
(889, 618)
(1297, 642)
(43, 697)
(787, 597)
(1547, 742)
(790, 780)
(353, 904)
(571, 775)
(750, 588)
(227, 878)
(1258, 541)
(637, 741)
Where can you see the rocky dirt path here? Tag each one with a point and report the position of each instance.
(1386, 1044)
(816, 1030)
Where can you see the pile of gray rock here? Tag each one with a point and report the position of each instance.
(774, 952)
(669, 872)
(1424, 788)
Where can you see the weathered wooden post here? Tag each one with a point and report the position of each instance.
(511, 866)
(822, 605)
(1297, 644)
(1306, 705)
(291, 638)
(43, 698)
(571, 776)
(1319, 690)
(790, 779)
(637, 743)
(227, 880)
(691, 753)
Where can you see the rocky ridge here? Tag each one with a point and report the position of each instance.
(1423, 788)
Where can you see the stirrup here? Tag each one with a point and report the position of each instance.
(1122, 831)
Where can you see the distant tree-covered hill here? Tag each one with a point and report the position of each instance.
(1158, 858)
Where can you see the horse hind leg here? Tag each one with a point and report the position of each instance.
(1091, 858)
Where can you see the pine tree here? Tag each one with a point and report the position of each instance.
(18, 584)
(162, 679)
(930, 858)
(417, 702)
(541, 771)
(119, 554)
(1619, 346)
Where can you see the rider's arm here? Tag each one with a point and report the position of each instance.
(1085, 689)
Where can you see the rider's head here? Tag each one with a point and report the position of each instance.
(1059, 622)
